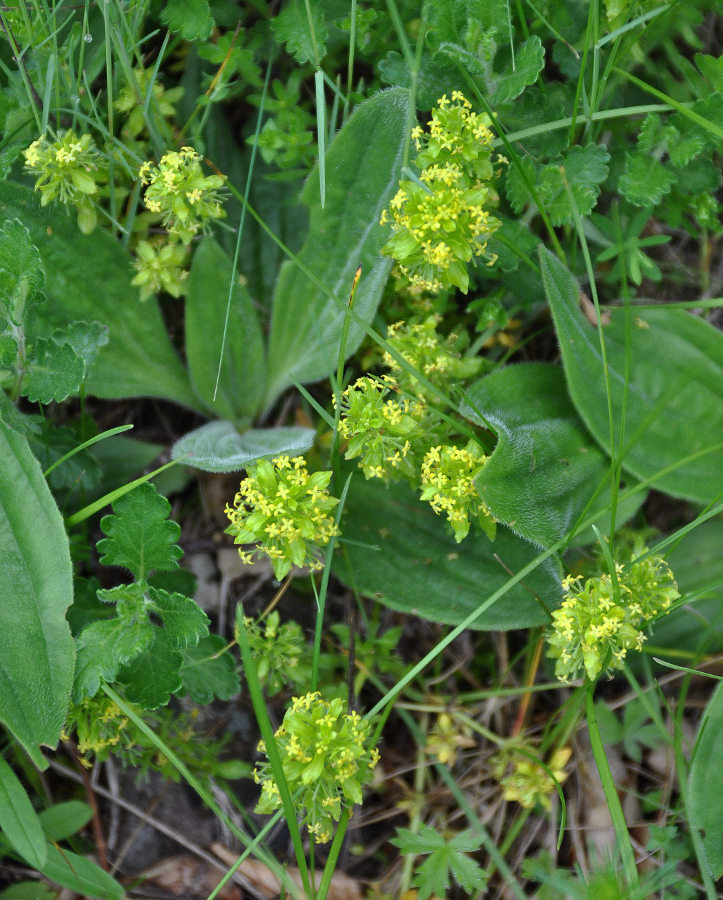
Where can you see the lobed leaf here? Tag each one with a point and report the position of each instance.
(305, 42)
(192, 18)
(209, 671)
(139, 535)
(54, 372)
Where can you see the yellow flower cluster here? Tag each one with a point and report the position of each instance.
(439, 222)
(285, 512)
(594, 630)
(428, 352)
(524, 779)
(178, 190)
(382, 427)
(448, 484)
(70, 170)
(325, 759)
(160, 268)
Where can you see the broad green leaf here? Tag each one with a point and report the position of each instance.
(21, 273)
(28, 890)
(706, 783)
(362, 172)
(139, 535)
(304, 41)
(185, 623)
(19, 822)
(402, 554)
(81, 875)
(208, 671)
(88, 277)
(219, 447)
(546, 466)
(192, 18)
(646, 180)
(54, 372)
(36, 588)
(697, 563)
(529, 60)
(241, 386)
(674, 390)
(153, 675)
(62, 820)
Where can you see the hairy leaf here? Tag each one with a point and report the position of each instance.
(218, 446)
(673, 430)
(646, 180)
(402, 554)
(529, 60)
(21, 273)
(36, 588)
(153, 675)
(362, 172)
(54, 372)
(103, 647)
(185, 623)
(305, 41)
(546, 466)
(241, 386)
(706, 784)
(139, 536)
(191, 17)
(209, 671)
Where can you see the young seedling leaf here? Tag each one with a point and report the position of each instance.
(139, 535)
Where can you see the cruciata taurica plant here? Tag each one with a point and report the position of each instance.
(522, 776)
(160, 268)
(186, 199)
(277, 651)
(68, 169)
(285, 511)
(593, 630)
(326, 760)
(440, 221)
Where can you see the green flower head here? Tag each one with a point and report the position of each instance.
(593, 631)
(326, 760)
(284, 511)
(70, 170)
(186, 199)
(160, 268)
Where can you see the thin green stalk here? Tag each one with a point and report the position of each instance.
(581, 76)
(350, 60)
(622, 835)
(267, 733)
(84, 446)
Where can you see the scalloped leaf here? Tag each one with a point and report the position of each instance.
(152, 676)
(219, 447)
(403, 555)
(674, 392)
(89, 277)
(184, 622)
(36, 588)
(54, 372)
(546, 465)
(140, 537)
(209, 671)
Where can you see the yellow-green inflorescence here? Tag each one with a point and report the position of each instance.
(442, 221)
(524, 778)
(68, 169)
(177, 190)
(285, 511)
(160, 268)
(277, 651)
(326, 759)
(594, 631)
(448, 474)
(383, 427)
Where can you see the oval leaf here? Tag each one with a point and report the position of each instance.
(241, 385)
(81, 875)
(219, 447)
(363, 166)
(89, 277)
(674, 391)
(19, 822)
(36, 588)
(402, 554)
(546, 466)
(706, 783)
